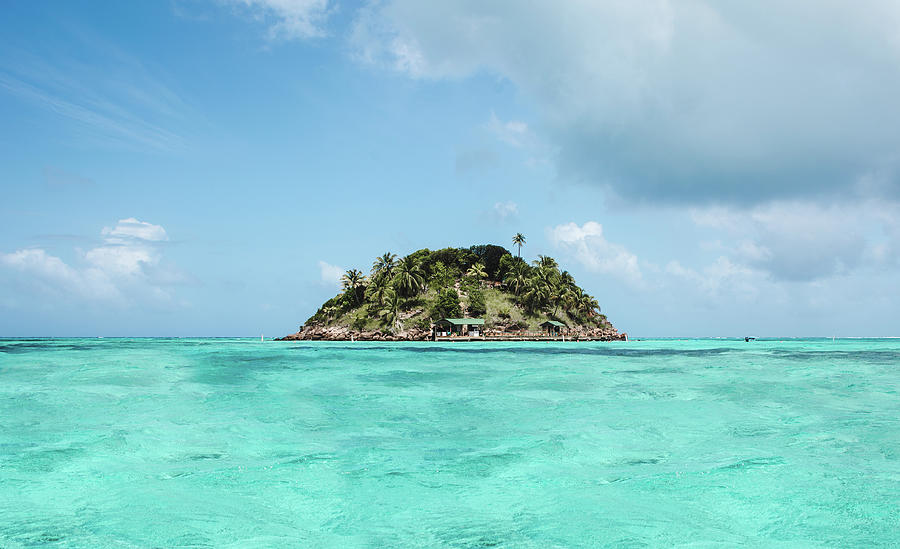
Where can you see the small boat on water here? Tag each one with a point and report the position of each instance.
(749, 338)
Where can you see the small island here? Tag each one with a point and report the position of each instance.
(482, 293)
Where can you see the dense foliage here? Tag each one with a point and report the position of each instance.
(447, 304)
(450, 282)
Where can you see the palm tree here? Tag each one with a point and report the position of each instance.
(390, 311)
(377, 289)
(586, 305)
(543, 287)
(545, 262)
(567, 280)
(574, 298)
(477, 271)
(353, 280)
(329, 312)
(408, 277)
(568, 298)
(568, 291)
(384, 265)
(516, 278)
(547, 273)
(536, 295)
(518, 240)
(557, 297)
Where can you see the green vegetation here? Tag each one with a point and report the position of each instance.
(484, 281)
(447, 305)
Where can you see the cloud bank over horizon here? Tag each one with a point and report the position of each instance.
(127, 268)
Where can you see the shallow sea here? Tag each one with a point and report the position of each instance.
(241, 443)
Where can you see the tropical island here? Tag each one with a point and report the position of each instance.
(483, 292)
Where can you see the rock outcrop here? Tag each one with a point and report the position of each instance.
(313, 332)
(343, 333)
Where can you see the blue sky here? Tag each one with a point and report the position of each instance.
(207, 168)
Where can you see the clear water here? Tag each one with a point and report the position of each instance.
(237, 443)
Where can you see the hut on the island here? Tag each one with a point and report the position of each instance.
(554, 327)
(472, 327)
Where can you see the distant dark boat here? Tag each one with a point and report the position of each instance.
(748, 338)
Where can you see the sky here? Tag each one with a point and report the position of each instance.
(210, 168)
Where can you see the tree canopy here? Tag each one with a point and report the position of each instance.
(426, 284)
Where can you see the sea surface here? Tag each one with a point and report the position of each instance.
(242, 443)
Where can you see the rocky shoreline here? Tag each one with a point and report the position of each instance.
(314, 332)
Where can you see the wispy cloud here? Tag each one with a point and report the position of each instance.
(506, 210)
(803, 241)
(722, 276)
(330, 274)
(512, 132)
(106, 121)
(112, 99)
(288, 19)
(519, 135)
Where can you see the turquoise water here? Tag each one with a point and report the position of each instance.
(238, 443)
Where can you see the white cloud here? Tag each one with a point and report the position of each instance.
(330, 274)
(505, 210)
(588, 245)
(128, 267)
(51, 275)
(123, 260)
(132, 228)
(290, 19)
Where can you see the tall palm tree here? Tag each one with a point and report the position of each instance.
(518, 240)
(384, 265)
(408, 277)
(353, 281)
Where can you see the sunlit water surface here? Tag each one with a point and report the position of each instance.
(238, 443)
